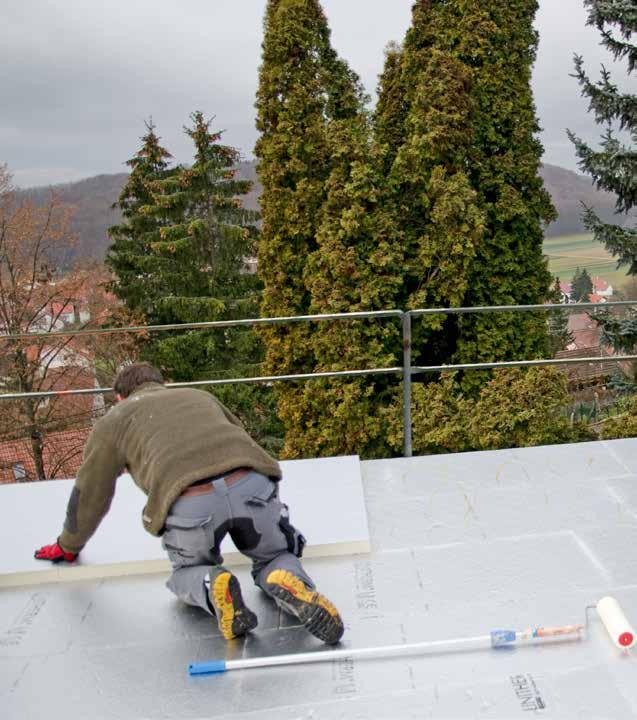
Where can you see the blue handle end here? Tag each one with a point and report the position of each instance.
(212, 667)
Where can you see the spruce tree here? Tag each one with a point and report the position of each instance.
(581, 285)
(198, 260)
(304, 88)
(613, 167)
(180, 256)
(130, 249)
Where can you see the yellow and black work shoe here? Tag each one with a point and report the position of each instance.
(233, 616)
(314, 610)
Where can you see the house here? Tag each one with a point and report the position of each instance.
(62, 456)
(597, 298)
(585, 332)
(602, 290)
(601, 287)
(584, 375)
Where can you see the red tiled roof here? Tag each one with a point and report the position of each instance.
(566, 287)
(62, 456)
(600, 284)
(594, 298)
(58, 309)
(580, 321)
(586, 373)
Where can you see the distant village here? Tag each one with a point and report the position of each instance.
(58, 365)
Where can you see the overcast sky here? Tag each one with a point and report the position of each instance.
(78, 78)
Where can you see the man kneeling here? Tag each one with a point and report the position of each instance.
(204, 477)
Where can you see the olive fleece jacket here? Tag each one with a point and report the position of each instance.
(167, 439)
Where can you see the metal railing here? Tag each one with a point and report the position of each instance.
(407, 370)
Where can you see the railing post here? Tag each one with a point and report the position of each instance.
(406, 320)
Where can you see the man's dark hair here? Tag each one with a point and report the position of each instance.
(135, 375)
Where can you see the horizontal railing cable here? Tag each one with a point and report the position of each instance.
(407, 370)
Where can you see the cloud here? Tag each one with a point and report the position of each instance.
(78, 79)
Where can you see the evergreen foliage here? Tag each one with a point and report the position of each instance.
(516, 408)
(130, 249)
(356, 267)
(559, 334)
(457, 125)
(613, 167)
(198, 259)
(307, 98)
(581, 286)
(624, 424)
(442, 207)
(180, 256)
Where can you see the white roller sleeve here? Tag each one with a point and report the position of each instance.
(616, 623)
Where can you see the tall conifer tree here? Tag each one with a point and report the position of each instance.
(509, 267)
(355, 268)
(613, 166)
(304, 88)
(130, 250)
(199, 253)
(469, 195)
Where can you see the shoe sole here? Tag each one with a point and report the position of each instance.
(315, 611)
(233, 617)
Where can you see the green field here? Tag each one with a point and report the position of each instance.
(568, 252)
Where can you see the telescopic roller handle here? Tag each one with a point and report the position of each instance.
(495, 639)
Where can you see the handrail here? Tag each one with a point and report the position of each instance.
(312, 318)
(205, 325)
(407, 370)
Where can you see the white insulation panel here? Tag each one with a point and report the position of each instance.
(325, 498)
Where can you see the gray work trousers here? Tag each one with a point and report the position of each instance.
(257, 521)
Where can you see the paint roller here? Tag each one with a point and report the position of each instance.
(615, 622)
(608, 609)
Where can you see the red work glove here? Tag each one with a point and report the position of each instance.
(54, 553)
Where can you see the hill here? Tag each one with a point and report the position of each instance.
(568, 191)
(93, 199)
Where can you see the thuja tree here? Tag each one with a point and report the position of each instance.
(130, 248)
(498, 43)
(198, 260)
(515, 408)
(424, 135)
(304, 88)
(470, 196)
(356, 267)
(613, 165)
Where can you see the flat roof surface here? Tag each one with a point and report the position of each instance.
(461, 544)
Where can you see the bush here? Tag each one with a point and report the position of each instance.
(516, 408)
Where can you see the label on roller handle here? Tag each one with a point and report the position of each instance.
(502, 638)
(616, 623)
